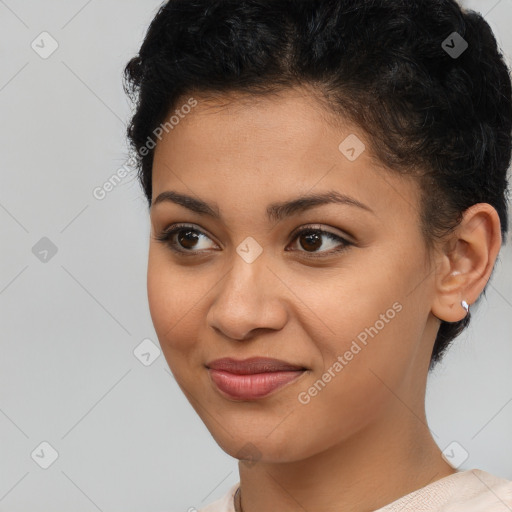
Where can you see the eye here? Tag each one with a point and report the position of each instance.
(310, 239)
(187, 239)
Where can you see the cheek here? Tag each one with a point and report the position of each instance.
(170, 299)
(360, 370)
(177, 298)
(369, 328)
(161, 289)
(356, 305)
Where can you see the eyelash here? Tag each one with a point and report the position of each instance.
(167, 235)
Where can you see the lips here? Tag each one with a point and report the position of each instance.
(253, 378)
(252, 365)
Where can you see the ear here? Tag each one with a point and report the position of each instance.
(466, 262)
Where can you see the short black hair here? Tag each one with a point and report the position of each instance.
(435, 105)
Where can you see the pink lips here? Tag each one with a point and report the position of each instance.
(253, 378)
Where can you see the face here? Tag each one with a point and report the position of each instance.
(338, 289)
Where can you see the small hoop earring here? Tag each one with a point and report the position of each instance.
(465, 305)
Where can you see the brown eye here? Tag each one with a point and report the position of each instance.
(313, 239)
(187, 238)
(184, 239)
(190, 241)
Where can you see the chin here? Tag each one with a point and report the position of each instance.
(263, 444)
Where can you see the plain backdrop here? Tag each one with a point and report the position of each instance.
(76, 395)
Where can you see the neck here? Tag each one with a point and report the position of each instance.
(373, 468)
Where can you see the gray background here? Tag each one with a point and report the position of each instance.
(126, 437)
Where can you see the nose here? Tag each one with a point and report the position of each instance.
(248, 300)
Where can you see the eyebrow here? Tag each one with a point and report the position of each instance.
(275, 211)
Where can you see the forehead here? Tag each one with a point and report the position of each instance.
(273, 147)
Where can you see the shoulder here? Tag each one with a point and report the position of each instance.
(480, 491)
(473, 490)
(223, 504)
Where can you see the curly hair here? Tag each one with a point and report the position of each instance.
(441, 117)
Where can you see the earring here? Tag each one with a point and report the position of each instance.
(465, 306)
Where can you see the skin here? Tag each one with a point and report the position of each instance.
(366, 429)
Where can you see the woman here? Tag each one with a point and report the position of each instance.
(327, 191)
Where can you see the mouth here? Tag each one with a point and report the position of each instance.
(252, 379)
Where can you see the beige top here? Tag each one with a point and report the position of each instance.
(473, 490)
